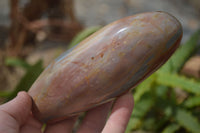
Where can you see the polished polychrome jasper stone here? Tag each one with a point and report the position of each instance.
(105, 65)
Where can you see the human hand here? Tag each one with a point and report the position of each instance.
(16, 117)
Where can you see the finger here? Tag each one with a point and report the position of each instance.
(19, 108)
(64, 126)
(120, 115)
(95, 119)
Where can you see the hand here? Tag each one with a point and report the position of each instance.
(16, 117)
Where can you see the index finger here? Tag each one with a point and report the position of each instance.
(120, 115)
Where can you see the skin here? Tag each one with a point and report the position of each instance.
(16, 117)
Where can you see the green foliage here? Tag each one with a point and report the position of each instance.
(171, 128)
(157, 106)
(5, 94)
(187, 120)
(192, 102)
(184, 52)
(32, 72)
(178, 59)
(140, 110)
(16, 62)
(175, 80)
(143, 87)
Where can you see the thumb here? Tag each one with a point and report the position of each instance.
(19, 108)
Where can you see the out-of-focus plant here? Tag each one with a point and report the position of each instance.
(158, 108)
(31, 74)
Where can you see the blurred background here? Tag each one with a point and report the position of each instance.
(35, 32)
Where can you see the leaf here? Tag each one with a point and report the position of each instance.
(28, 79)
(140, 109)
(181, 116)
(175, 80)
(161, 90)
(5, 94)
(171, 128)
(142, 106)
(165, 107)
(143, 87)
(11, 61)
(192, 102)
(175, 63)
(162, 99)
(129, 128)
(187, 120)
(167, 67)
(150, 123)
(82, 35)
(185, 51)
